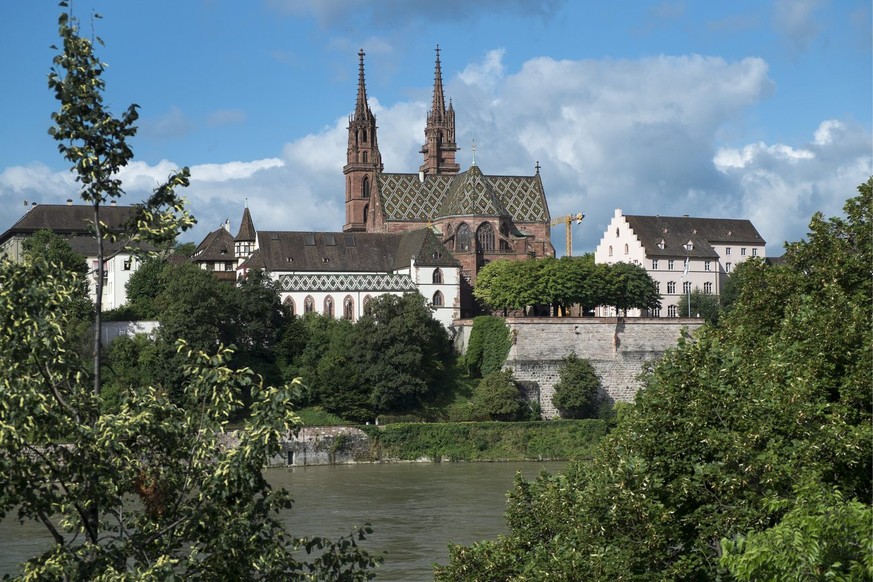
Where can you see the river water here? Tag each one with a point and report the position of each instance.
(415, 509)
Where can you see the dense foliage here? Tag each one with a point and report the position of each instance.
(748, 453)
(577, 392)
(488, 346)
(560, 283)
(703, 305)
(497, 396)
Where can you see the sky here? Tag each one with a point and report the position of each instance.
(723, 109)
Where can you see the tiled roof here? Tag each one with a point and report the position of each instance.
(246, 228)
(406, 198)
(217, 246)
(676, 232)
(346, 252)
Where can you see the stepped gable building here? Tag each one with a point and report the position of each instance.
(664, 245)
(73, 222)
(479, 217)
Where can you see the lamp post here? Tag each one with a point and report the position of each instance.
(687, 284)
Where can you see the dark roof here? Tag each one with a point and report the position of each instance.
(346, 252)
(405, 197)
(677, 231)
(246, 228)
(217, 246)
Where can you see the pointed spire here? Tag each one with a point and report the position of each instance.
(438, 108)
(361, 108)
(439, 147)
(246, 226)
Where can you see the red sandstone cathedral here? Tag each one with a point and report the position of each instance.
(479, 218)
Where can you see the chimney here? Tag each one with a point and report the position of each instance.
(112, 203)
(69, 201)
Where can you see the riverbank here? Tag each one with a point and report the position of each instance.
(557, 440)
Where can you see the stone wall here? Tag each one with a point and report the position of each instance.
(331, 445)
(617, 347)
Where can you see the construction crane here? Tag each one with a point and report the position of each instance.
(568, 220)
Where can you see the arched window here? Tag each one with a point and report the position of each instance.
(365, 185)
(616, 233)
(348, 308)
(485, 237)
(462, 238)
(328, 306)
(366, 212)
(610, 250)
(437, 277)
(366, 303)
(364, 136)
(308, 304)
(365, 158)
(437, 299)
(626, 249)
(289, 303)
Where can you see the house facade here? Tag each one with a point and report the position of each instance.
(73, 222)
(478, 217)
(681, 254)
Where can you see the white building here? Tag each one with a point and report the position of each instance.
(680, 253)
(73, 222)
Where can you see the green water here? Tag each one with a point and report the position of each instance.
(416, 510)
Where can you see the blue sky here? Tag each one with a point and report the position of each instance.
(745, 109)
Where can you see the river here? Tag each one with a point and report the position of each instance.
(416, 510)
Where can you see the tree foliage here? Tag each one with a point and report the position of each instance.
(577, 392)
(488, 346)
(753, 438)
(703, 305)
(497, 397)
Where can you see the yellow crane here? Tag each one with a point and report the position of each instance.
(568, 220)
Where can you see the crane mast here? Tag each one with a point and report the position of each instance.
(568, 221)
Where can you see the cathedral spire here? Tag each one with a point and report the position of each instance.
(363, 160)
(439, 133)
(362, 110)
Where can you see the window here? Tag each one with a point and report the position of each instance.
(754, 252)
(743, 251)
(610, 250)
(364, 136)
(707, 288)
(626, 250)
(228, 265)
(328, 306)
(289, 303)
(308, 304)
(670, 264)
(656, 313)
(437, 277)
(671, 287)
(366, 157)
(485, 237)
(366, 213)
(658, 287)
(127, 264)
(654, 264)
(348, 308)
(437, 299)
(686, 287)
(672, 311)
(462, 239)
(727, 250)
(727, 267)
(365, 187)
(707, 266)
(504, 234)
(616, 233)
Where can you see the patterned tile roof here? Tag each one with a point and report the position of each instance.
(367, 283)
(472, 194)
(675, 232)
(406, 198)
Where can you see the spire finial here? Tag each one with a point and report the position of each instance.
(246, 201)
(538, 167)
(361, 104)
(438, 108)
(474, 152)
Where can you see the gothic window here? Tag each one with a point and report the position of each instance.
(707, 288)
(672, 311)
(348, 188)
(348, 308)
(289, 303)
(365, 185)
(366, 212)
(364, 137)
(504, 232)
(485, 237)
(686, 287)
(437, 277)
(610, 250)
(626, 249)
(671, 287)
(616, 233)
(328, 306)
(308, 304)
(462, 238)
(437, 299)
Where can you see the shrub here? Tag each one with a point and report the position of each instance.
(497, 397)
(488, 346)
(577, 391)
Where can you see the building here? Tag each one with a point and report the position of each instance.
(73, 222)
(478, 217)
(680, 253)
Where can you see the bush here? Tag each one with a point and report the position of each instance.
(577, 393)
(488, 346)
(497, 397)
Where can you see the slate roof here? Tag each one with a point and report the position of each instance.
(73, 222)
(246, 227)
(406, 198)
(216, 246)
(702, 232)
(346, 252)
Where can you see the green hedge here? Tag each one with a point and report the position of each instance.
(488, 346)
(487, 441)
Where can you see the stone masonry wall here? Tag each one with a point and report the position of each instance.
(617, 347)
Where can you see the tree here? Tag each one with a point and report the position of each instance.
(155, 489)
(144, 287)
(497, 397)
(629, 286)
(577, 393)
(702, 305)
(55, 249)
(488, 346)
(753, 438)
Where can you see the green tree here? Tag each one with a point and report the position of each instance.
(629, 286)
(498, 397)
(754, 437)
(55, 249)
(488, 346)
(577, 393)
(144, 287)
(702, 305)
(152, 490)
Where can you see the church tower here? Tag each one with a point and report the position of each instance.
(439, 147)
(363, 160)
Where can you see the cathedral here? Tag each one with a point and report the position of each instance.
(478, 217)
